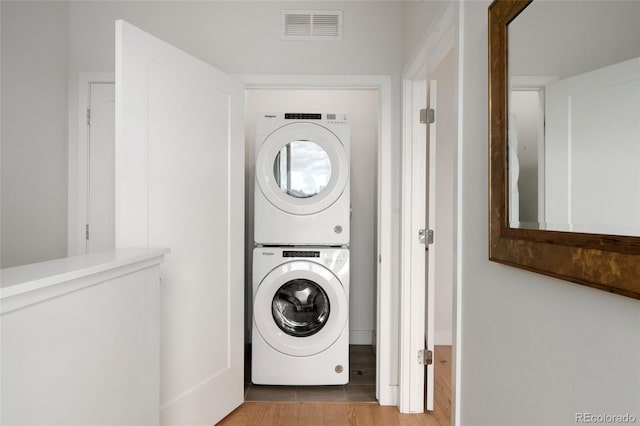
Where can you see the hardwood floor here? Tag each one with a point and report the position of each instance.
(350, 414)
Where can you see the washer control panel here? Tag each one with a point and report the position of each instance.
(300, 253)
(329, 258)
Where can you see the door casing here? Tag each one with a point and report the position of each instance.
(386, 388)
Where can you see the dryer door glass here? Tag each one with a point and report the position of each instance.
(300, 308)
(302, 169)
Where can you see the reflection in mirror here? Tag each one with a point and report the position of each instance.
(302, 169)
(574, 117)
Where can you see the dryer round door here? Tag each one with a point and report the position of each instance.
(302, 168)
(300, 308)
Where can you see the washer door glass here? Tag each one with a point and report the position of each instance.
(302, 169)
(300, 308)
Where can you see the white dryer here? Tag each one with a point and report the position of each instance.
(300, 330)
(302, 194)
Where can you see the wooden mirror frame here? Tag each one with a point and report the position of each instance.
(606, 262)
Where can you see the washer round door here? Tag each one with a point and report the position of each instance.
(302, 168)
(300, 308)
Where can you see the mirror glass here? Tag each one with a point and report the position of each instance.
(574, 117)
(302, 169)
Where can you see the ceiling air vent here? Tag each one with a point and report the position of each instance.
(311, 25)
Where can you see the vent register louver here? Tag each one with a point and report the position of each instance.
(311, 25)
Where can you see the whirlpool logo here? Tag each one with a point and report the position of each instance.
(269, 116)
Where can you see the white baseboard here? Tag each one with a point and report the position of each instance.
(388, 395)
(361, 337)
(443, 337)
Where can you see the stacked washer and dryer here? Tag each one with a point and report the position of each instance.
(300, 333)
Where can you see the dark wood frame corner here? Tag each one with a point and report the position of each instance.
(606, 262)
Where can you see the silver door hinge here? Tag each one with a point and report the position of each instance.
(86, 232)
(427, 116)
(88, 117)
(425, 236)
(425, 357)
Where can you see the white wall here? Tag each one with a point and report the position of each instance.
(418, 18)
(35, 50)
(361, 107)
(243, 37)
(578, 36)
(534, 350)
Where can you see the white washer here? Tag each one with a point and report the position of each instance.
(302, 194)
(300, 330)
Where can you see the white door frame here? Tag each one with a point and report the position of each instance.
(430, 53)
(78, 171)
(386, 391)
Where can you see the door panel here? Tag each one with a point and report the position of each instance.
(179, 184)
(592, 152)
(100, 196)
(412, 391)
(430, 330)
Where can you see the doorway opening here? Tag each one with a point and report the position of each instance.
(91, 191)
(362, 109)
(444, 213)
(430, 91)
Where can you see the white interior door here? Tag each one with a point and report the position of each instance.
(418, 299)
(412, 310)
(592, 162)
(180, 184)
(100, 148)
(430, 316)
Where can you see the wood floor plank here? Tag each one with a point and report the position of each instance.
(265, 415)
(442, 385)
(310, 414)
(350, 414)
(385, 416)
(238, 417)
(287, 414)
(360, 414)
(335, 414)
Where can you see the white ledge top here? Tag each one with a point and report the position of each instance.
(27, 278)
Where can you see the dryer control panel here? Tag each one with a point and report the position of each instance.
(302, 116)
(329, 118)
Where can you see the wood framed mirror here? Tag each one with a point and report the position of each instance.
(606, 258)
